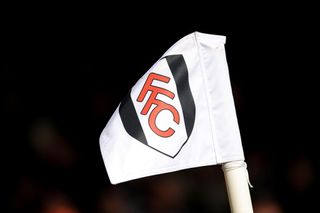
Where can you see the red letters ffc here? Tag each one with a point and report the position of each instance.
(160, 105)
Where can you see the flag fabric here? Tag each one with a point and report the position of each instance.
(180, 114)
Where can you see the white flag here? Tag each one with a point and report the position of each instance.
(179, 115)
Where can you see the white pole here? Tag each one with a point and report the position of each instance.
(237, 182)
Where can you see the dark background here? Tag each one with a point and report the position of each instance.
(64, 73)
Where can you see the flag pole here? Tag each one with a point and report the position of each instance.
(237, 183)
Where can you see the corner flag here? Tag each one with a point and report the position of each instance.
(179, 115)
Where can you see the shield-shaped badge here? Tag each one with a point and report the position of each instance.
(159, 111)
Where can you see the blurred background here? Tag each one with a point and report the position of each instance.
(63, 77)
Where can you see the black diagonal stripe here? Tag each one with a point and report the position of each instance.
(179, 71)
(130, 119)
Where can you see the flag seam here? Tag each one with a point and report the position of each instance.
(215, 148)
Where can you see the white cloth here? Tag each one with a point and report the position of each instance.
(179, 115)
